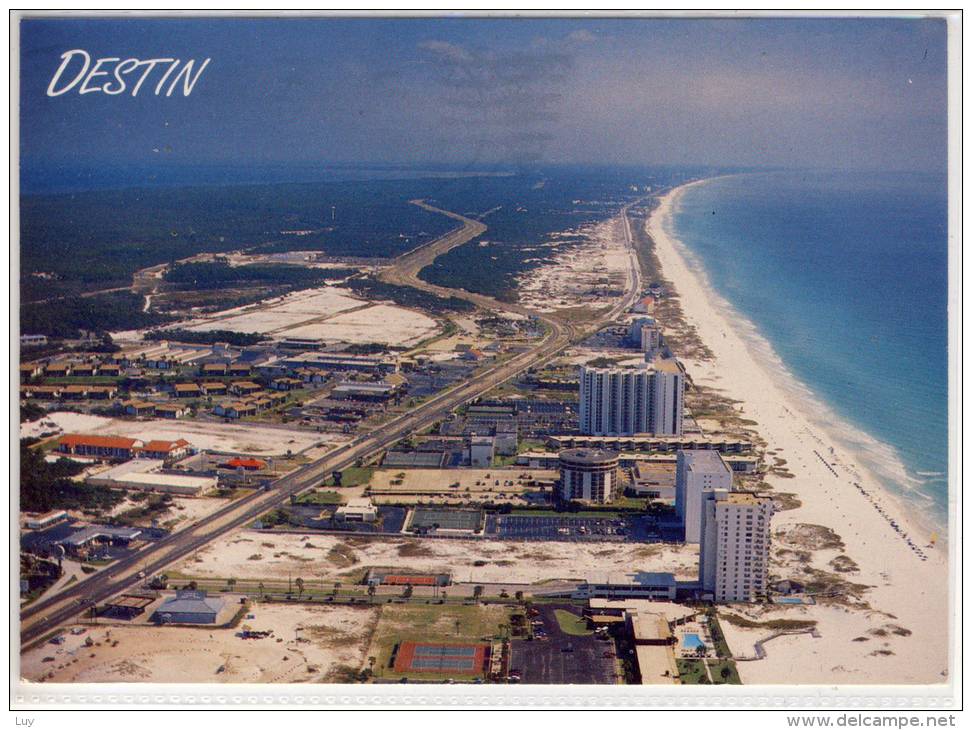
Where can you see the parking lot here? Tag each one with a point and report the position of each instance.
(554, 657)
(548, 527)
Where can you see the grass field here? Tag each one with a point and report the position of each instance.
(435, 623)
(320, 497)
(692, 671)
(571, 623)
(718, 668)
(353, 476)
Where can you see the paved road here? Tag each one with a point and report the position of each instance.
(45, 615)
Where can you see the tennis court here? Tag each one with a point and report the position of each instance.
(426, 518)
(441, 658)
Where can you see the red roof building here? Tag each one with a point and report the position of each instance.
(249, 464)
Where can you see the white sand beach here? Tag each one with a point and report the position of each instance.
(906, 593)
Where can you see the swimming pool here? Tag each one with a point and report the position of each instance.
(691, 641)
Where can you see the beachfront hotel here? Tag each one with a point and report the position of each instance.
(697, 472)
(623, 401)
(734, 553)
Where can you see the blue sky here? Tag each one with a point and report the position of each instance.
(843, 93)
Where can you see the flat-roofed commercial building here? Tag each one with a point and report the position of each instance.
(590, 475)
(147, 475)
(357, 510)
(620, 401)
(697, 472)
(734, 554)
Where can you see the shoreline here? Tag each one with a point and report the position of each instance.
(836, 491)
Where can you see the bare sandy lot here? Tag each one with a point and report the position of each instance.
(291, 310)
(261, 555)
(246, 438)
(600, 261)
(381, 323)
(329, 638)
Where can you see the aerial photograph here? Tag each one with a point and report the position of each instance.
(483, 351)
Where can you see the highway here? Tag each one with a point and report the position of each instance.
(45, 615)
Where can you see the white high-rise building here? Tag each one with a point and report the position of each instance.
(646, 334)
(623, 401)
(697, 472)
(734, 553)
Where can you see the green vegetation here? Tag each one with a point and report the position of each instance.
(102, 313)
(31, 412)
(407, 296)
(353, 476)
(45, 486)
(571, 623)
(319, 497)
(122, 231)
(723, 672)
(219, 274)
(238, 339)
(692, 671)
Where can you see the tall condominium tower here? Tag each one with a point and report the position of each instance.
(645, 333)
(697, 472)
(734, 553)
(620, 401)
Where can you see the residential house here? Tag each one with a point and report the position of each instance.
(139, 408)
(187, 390)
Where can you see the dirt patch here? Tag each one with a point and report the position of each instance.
(342, 555)
(415, 549)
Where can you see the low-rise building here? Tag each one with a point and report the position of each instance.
(165, 449)
(39, 522)
(189, 607)
(357, 510)
(214, 388)
(285, 384)
(57, 370)
(171, 410)
(639, 584)
(139, 408)
(244, 387)
(102, 392)
(214, 369)
(103, 447)
(187, 390)
(75, 392)
(148, 475)
(351, 390)
(30, 370)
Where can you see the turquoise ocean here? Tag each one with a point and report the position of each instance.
(845, 277)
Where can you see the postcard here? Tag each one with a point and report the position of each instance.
(393, 357)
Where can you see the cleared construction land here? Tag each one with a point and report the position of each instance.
(248, 438)
(268, 556)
